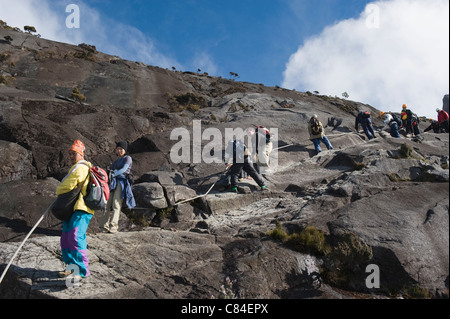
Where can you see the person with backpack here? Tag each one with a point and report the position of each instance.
(120, 189)
(415, 124)
(73, 238)
(407, 119)
(238, 159)
(391, 124)
(443, 121)
(317, 134)
(363, 118)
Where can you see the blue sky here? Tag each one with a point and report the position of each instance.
(253, 38)
(384, 53)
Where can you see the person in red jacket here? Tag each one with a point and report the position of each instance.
(443, 120)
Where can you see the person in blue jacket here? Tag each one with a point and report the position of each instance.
(120, 189)
(363, 118)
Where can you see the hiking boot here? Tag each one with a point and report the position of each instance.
(65, 273)
(264, 188)
(234, 190)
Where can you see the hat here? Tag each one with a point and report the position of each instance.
(405, 106)
(78, 147)
(123, 145)
(438, 110)
(382, 113)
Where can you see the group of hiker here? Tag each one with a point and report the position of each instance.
(441, 125)
(239, 161)
(409, 121)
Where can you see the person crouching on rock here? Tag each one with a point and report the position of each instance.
(73, 238)
(434, 125)
(120, 188)
(391, 124)
(238, 152)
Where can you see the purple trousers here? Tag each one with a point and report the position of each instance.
(73, 242)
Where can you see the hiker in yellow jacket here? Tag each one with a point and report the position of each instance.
(73, 238)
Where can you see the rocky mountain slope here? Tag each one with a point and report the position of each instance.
(326, 218)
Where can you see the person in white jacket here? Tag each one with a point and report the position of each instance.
(391, 125)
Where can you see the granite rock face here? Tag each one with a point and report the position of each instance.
(388, 196)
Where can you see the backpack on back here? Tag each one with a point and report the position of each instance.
(97, 193)
(366, 115)
(396, 119)
(316, 128)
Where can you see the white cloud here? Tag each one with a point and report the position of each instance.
(400, 55)
(109, 36)
(39, 14)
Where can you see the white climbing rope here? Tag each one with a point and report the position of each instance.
(23, 242)
(204, 195)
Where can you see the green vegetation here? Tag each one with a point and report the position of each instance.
(186, 102)
(358, 166)
(77, 96)
(416, 292)
(396, 178)
(88, 52)
(29, 29)
(406, 150)
(6, 80)
(166, 213)
(344, 256)
(137, 219)
(235, 107)
(278, 233)
(310, 240)
(347, 260)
